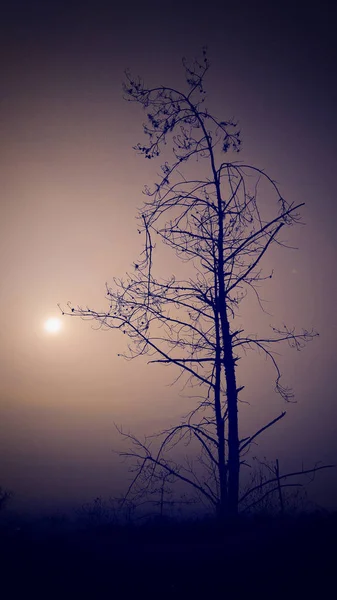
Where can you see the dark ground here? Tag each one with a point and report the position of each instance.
(265, 558)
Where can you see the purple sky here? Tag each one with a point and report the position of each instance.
(70, 188)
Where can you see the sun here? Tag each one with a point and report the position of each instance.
(53, 325)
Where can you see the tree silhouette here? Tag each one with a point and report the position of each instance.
(209, 212)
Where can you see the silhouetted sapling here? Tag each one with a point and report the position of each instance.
(212, 218)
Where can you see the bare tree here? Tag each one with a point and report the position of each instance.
(209, 212)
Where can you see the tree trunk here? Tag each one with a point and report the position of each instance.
(233, 466)
(233, 425)
(220, 423)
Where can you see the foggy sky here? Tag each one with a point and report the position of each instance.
(71, 186)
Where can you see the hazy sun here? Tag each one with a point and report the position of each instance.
(53, 325)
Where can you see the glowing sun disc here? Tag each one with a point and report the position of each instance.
(52, 325)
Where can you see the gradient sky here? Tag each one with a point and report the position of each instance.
(70, 188)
